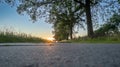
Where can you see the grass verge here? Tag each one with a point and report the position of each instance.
(95, 40)
(15, 37)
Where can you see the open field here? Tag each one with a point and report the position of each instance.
(60, 55)
(7, 36)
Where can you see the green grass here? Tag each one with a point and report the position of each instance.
(14, 37)
(115, 39)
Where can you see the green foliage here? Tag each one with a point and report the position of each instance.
(119, 1)
(113, 39)
(72, 10)
(111, 27)
(61, 31)
(63, 16)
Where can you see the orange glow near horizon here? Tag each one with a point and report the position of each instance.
(46, 36)
(50, 39)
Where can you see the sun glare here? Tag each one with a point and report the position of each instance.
(50, 39)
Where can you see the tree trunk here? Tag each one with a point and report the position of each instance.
(71, 34)
(71, 30)
(89, 21)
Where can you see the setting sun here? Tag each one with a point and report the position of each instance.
(50, 39)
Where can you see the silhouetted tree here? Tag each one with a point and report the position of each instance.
(93, 9)
(61, 31)
(65, 12)
(86, 4)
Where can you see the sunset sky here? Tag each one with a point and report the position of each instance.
(21, 23)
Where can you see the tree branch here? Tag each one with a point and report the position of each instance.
(82, 4)
(38, 4)
(42, 3)
(78, 8)
(93, 2)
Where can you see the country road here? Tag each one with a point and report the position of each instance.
(59, 55)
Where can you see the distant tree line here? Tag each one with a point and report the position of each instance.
(110, 28)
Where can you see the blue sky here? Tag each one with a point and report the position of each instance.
(21, 23)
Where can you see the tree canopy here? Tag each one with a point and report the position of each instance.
(68, 12)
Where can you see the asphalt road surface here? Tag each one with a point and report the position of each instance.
(59, 55)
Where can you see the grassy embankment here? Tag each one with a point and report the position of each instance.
(115, 39)
(15, 37)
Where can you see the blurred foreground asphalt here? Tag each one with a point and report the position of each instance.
(59, 55)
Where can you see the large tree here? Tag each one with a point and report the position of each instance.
(61, 31)
(95, 9)
(40, 8)
(66, 12)
(86, 4)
